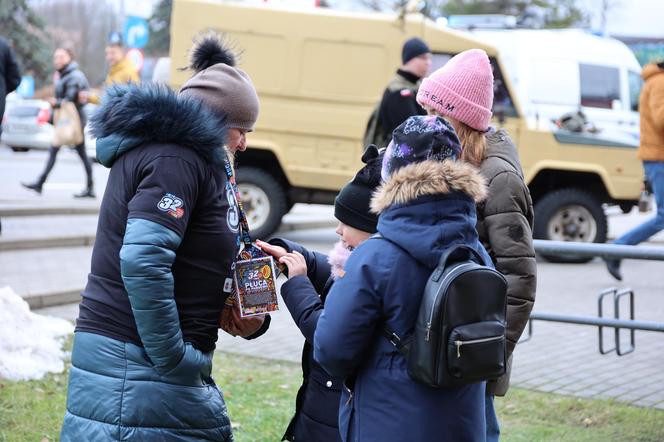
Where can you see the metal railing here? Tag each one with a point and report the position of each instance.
(591, 250)
(601, 321)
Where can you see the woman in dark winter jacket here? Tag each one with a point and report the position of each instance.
(426, 206)
(161, 271)
(311, 276)
(71, 80)
(462, 93)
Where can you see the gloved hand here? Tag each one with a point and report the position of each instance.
(232, 322)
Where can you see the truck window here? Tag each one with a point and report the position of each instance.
(502, 101)
(635, 85)
(600, 85)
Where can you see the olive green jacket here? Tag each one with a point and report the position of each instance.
(504, 223)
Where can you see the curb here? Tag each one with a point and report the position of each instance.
(42, 211)
(53, 299)
(46, 243)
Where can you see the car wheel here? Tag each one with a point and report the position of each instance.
(20, 149)
(570, 215)
(263, 199)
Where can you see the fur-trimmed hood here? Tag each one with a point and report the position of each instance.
(429, 178)
(427, 207)
(132, 115)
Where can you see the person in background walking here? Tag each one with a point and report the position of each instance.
(462, 93)
(121, 70)
(69, 83)
(399, 98)
(9, 77)
(651, 152)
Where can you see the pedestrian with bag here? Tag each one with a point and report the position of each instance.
(461, 92)
(170, 230)
(311, 276)
(68, 119)
(426, 208)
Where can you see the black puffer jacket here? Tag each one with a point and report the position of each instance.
(504, 223)
(9, 73)
(72, 81)
(317, 404)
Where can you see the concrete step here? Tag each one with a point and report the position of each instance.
(46, 277)
(53, 299)
(46, 243)
(47, 231)
(23, 211)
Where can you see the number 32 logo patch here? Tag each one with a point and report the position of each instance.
(172, 205)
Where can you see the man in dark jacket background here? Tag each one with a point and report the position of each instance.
(9, 73)
(398, 101)
(9, 77)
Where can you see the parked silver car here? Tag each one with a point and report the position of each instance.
(26, 125)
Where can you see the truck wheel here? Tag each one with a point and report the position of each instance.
(569, 215)
(263, 199)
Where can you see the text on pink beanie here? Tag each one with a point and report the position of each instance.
(462, 89)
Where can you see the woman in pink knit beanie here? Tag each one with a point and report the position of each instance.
(462, 92)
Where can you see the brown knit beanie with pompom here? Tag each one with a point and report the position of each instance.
(219, 84)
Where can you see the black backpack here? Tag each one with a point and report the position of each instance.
(459, 336)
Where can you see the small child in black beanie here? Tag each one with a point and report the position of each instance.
(311, 276)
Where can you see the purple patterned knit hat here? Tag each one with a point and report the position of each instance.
(418, 139)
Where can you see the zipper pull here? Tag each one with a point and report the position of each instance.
(426, 337)
(350, 398)
(458, 346)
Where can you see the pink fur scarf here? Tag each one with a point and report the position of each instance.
(337, 259)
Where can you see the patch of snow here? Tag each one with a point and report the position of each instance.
(30, 344)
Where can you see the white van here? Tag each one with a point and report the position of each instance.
(559, 71)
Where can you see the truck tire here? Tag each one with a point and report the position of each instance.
(263, 199)
(570, 215)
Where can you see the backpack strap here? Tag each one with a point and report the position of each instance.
(401, 344)
(471, 252)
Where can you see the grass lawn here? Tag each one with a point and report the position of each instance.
(261, 393)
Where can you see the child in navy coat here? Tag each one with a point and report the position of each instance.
(426, 206)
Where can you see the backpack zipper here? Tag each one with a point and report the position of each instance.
(445, 283)
(475, 341)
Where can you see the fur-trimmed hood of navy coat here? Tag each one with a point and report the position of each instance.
(424, 208)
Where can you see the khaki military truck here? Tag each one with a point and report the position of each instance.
(319, 73)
